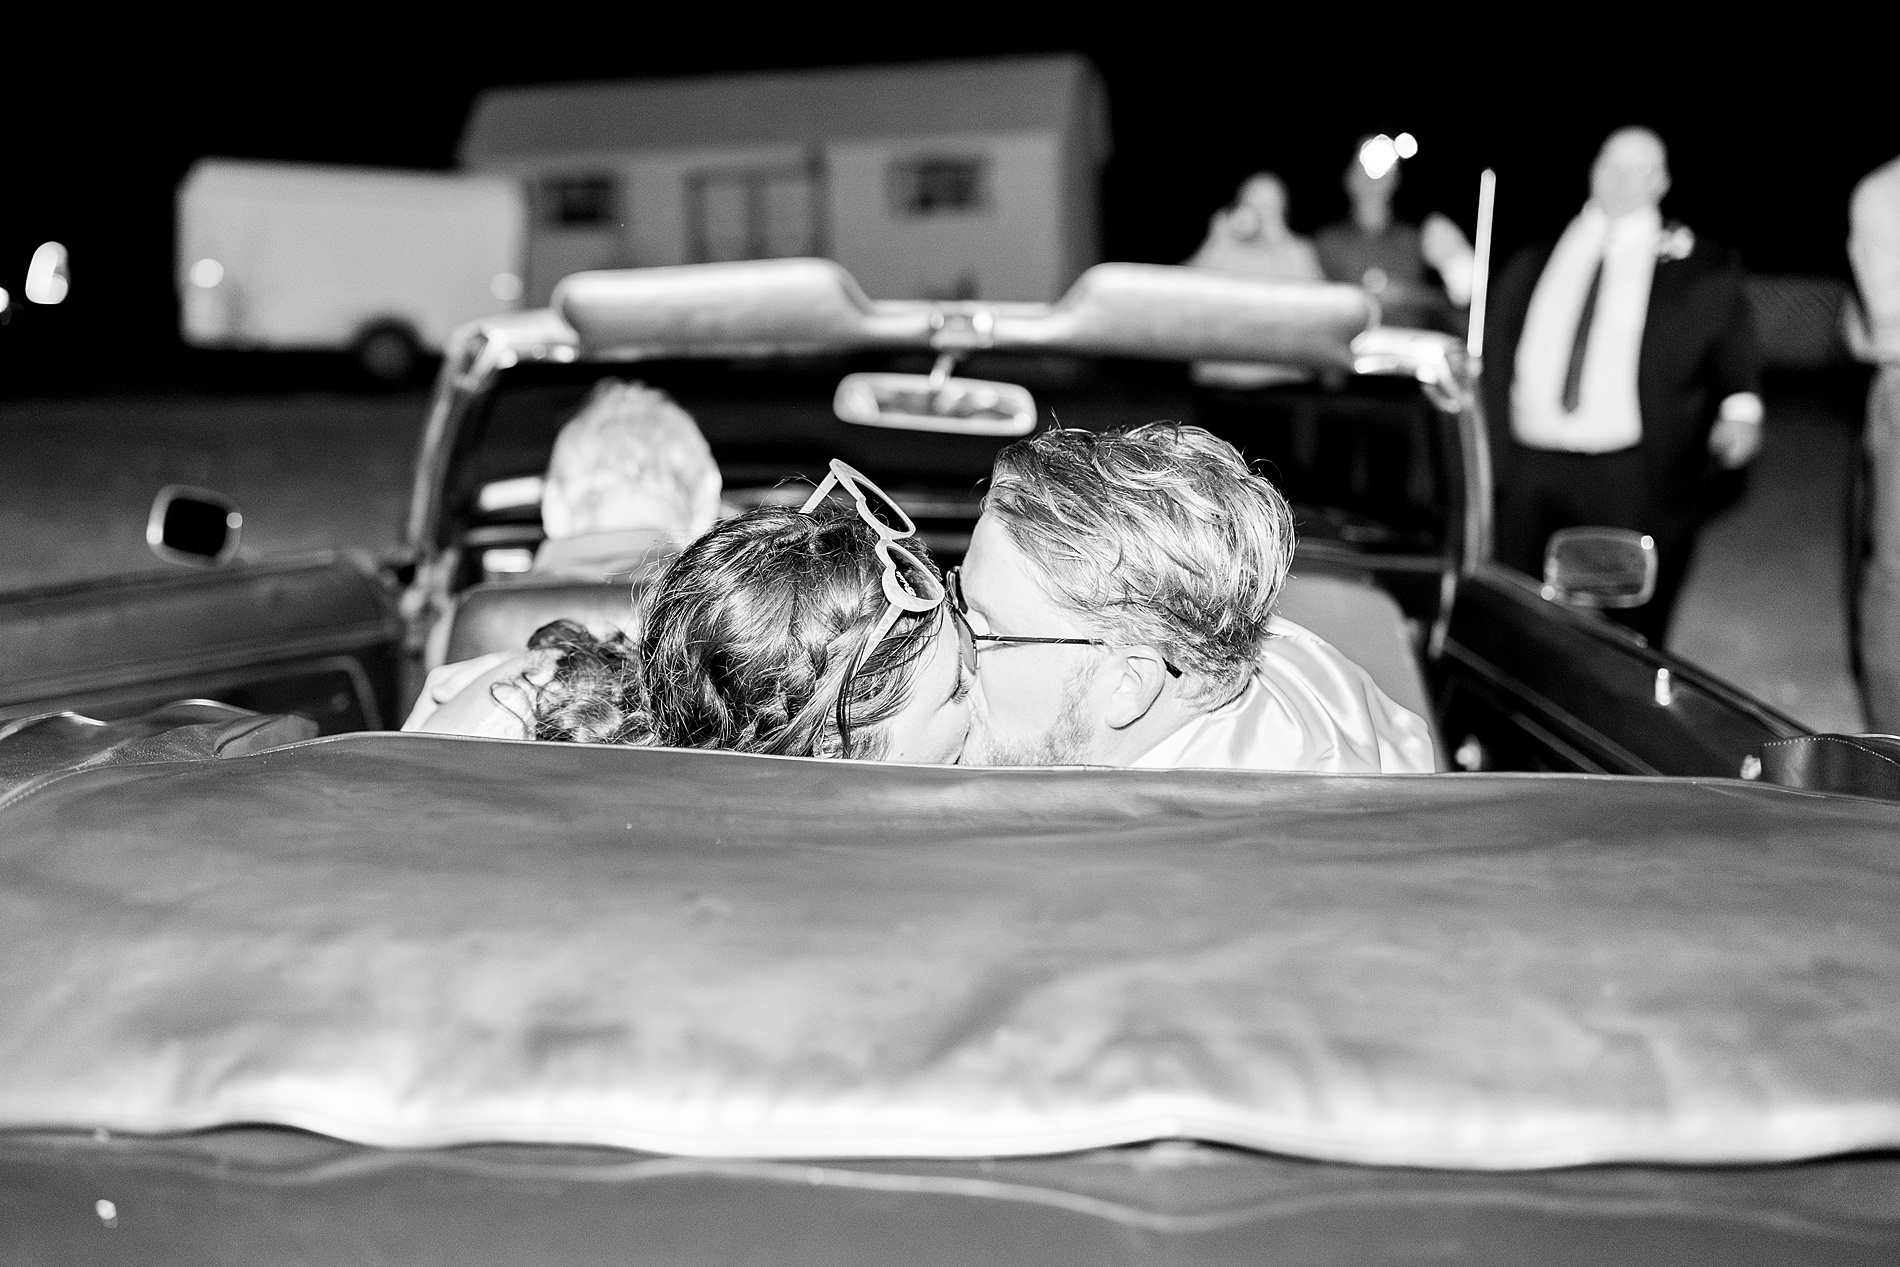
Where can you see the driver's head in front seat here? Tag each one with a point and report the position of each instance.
(631, 481)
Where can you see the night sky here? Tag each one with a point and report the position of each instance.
(1768, 133)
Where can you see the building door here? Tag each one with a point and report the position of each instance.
(756, 213)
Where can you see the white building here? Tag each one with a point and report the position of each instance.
(972, 179)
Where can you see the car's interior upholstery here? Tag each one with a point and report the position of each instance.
(1858, 765)
(500, 616)
(1354, 615)
(109, 650)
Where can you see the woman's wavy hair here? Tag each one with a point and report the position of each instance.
(746, 643)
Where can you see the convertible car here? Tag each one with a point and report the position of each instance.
(1373, 432)
(280, 986)
(385, 998)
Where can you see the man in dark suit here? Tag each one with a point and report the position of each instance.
(1623, 375)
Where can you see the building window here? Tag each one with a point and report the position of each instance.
(577, 202)
(939, 185)
(755, 213)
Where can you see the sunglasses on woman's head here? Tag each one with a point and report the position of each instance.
(908, 582)
(862, 490)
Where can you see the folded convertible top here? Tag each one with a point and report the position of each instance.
(408, 940)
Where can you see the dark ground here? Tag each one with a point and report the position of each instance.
(1765, 604)
(1766, 601)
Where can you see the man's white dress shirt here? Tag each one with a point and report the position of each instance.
(1874, 248)
(1608, 416)
(1307, 707)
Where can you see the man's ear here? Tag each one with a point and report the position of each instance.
(1139, 673)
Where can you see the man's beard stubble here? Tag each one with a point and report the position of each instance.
(1064, 741)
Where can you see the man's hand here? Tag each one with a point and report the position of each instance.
(1735, 441)
(1736, 437)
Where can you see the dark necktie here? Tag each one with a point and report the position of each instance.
(1573, 377)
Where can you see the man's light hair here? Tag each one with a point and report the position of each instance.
(1157, 534)
(631, 458)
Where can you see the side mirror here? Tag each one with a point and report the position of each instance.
(1600, 567)
(936, 402)
(193, 526)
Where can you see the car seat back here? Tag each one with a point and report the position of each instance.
(1364, 622)
(501, 616)
(1355, 616)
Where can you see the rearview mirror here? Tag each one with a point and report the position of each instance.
(1600, 567)
(935, 402)
(193, 526)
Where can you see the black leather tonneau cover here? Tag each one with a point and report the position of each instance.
(408, 940)
(252, 1196)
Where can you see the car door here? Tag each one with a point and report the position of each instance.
(316, 635)
(1529, 684)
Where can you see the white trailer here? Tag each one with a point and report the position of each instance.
(381, 263)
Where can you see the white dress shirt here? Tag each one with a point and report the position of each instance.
(1307, 707)
(1874, 247)
(1608, 417)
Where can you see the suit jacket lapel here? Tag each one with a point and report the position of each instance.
(1670, 336)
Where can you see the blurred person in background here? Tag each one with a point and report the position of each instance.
(631, 481)
(1389, 257)
(1624, 371)
(1874, 247)
(1250, 236)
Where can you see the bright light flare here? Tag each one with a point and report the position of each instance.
(505, 287)
(6, 300)
(1406, 144)
(206, 273)
(1378, 156)
(47, 277)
